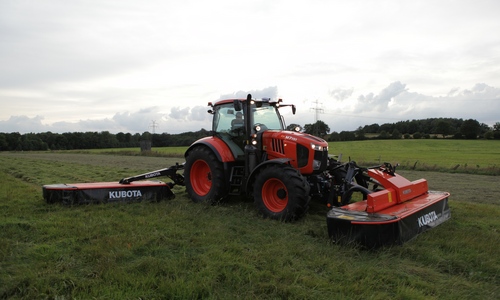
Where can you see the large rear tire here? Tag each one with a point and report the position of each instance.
(280, 192)
(204, 176)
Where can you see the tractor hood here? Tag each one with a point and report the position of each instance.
(308, 153)
(296, 137)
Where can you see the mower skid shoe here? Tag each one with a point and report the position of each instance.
(107, 192)
(351, 224)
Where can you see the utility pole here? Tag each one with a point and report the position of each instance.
(153, 126)
(317, 111)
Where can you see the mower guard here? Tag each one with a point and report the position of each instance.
(391, 216)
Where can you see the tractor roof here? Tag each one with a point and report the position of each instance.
(226, 101)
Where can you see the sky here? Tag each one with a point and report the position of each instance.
(136, 66)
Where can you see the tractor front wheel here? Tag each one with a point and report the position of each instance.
(205, 176)
(281, 192)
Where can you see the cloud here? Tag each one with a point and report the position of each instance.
(341, 94)
(199, 113)
(396, 102)
(22, 124)
(177, 113)
(269, 92)
(380, 102)
(391, 104)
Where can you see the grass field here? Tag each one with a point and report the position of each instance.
(464, 156)
(181, 250)
(459, 156)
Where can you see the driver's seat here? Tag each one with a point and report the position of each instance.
(238, 121)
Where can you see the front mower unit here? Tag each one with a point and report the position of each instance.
(394, 215)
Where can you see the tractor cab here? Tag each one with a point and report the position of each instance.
(241, 122)
(232, 116)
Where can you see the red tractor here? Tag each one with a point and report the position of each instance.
(251, 153)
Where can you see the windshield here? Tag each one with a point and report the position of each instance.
(226, 119)
(267, 115)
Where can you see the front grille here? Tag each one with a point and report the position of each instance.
(302, 156)
(321, 156)
(278, 146)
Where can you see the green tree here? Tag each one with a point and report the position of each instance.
(360, 133)
(334, 137)
(384, 135)
(443, 127)
(347, 136)
(396, 135)
(470, 129)
(319, 128)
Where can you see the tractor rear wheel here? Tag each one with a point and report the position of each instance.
(204, 176)
(280, 192)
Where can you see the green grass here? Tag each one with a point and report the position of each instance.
(444, 155)
(181, 250)
(463, 156)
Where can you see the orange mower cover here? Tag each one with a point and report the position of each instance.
(394, 215)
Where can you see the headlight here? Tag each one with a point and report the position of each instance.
(257, 128)
(318, 147)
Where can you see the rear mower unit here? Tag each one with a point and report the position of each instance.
(123, 191)
(250, 153)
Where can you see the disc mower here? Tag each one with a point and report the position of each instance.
(250, 153)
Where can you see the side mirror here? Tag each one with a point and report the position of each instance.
(294, 109)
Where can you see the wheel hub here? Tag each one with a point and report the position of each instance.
(281, 193)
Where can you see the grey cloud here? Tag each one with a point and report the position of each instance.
(139, 121)
(199, 113)
(179, 113)
(341, 94)
(269, 92)
(380, 102)
(394, 103)
(22, 124)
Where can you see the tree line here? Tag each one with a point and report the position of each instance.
(415, 129)
(92, 140)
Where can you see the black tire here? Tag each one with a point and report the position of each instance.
(204, 175)
(280, 192)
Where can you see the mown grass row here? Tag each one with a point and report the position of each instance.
(181, 250)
